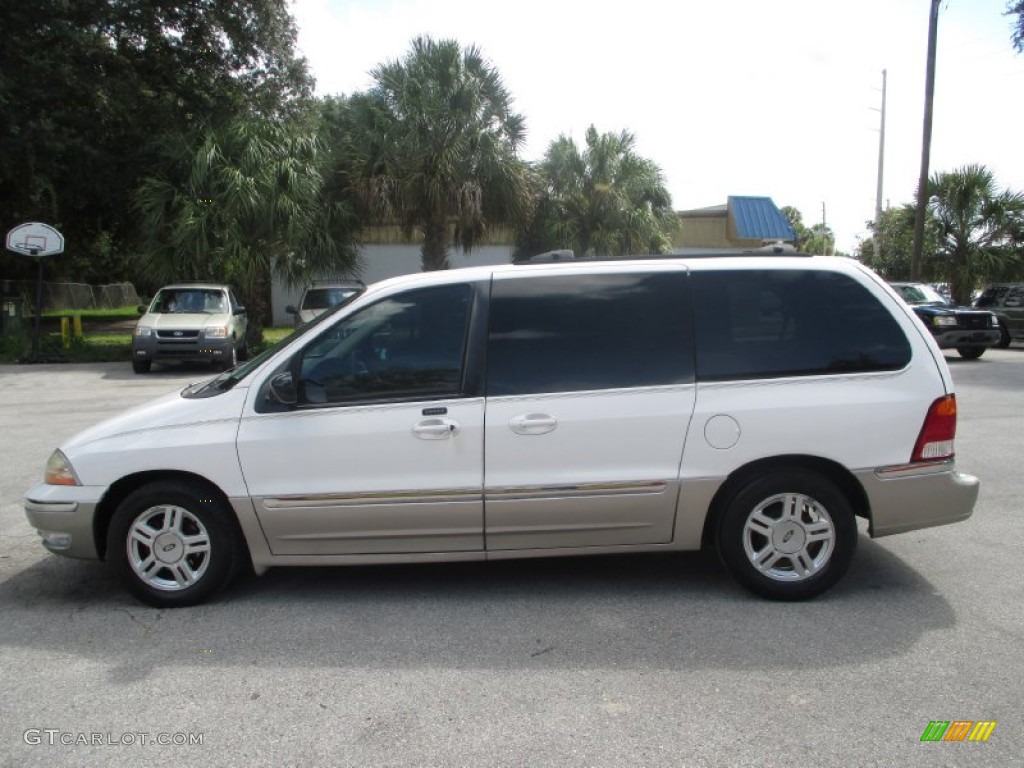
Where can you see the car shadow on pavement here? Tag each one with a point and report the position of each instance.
(671, 611)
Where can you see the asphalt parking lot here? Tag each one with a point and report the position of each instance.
(646, 660)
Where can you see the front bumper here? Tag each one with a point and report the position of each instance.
(64, 515)
(960, 338)
(156, 348)
(918, 496)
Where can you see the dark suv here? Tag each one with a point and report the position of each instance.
(1006, 301)
(969, 331)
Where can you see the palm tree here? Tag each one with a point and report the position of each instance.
(239, 203)
(604, 201)
(436, 144)
(977, 225)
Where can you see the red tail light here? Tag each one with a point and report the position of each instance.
(935, 442)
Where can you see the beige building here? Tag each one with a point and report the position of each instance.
(743, 222)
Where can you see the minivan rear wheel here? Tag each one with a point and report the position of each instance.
(788, 535)
(173, 544)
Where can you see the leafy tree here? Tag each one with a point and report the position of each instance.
(86, 88)
(796, 221)
(605, 200)
(435, 145)
(895, 234)
(818, 238)
(242, 201)
(978, 226)
(1016, 8)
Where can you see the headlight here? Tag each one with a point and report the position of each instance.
(59, 471)
(995, 321)
(142, 330)
(944, 321)
(215, 332)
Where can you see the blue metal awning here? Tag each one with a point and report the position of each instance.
(757, 218)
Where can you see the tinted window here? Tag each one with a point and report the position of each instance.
(763, 323)
(580, 332)
(407, 346)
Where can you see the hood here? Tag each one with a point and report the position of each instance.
(171, 411)
(189, 321)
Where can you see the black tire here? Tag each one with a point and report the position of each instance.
(823, 511)
(1004, 336)
(142, 366)
(970, 353)
(232, 358)
(179, 515)
(243, 352)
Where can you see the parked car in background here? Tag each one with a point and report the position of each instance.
(967, 330)
(202, 322)
(321, 296)
(755, 404)
(1006, 301)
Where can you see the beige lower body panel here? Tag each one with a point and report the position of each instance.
(910, 498)
(586, 515)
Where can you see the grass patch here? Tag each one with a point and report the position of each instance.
(118, 313)
(97, 347)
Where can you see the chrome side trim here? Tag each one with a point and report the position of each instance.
(493, 530)
(372, 498)
(463, 495)
(919, 469)
(404, 533)
(576, 491)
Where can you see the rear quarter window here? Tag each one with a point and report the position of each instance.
(774, 323)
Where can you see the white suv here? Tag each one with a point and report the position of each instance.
(757, 404)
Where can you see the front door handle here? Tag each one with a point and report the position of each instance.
(533, 424)
(435, 429)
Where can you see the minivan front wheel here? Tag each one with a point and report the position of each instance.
(172, 544)
(788, 535)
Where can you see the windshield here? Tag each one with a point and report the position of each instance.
(189, 301)
(324, 298)
(920, 294)
(229, 378)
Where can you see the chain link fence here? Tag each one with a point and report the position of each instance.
(74, 296)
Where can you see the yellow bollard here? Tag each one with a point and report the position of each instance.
(65, 332)
(77, 326)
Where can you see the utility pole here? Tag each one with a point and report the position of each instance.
(881, 163)
(824, 229)
(926, 144)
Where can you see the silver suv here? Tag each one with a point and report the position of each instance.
(321, 296)
(201, 322)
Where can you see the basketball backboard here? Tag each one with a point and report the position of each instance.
(35, 239)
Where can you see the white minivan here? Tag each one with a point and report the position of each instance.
(757, 404)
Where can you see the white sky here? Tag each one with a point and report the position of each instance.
(745, 97)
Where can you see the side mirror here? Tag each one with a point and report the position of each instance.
(291, 310)
(239, 310)
(282, 389)
(142, 309)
